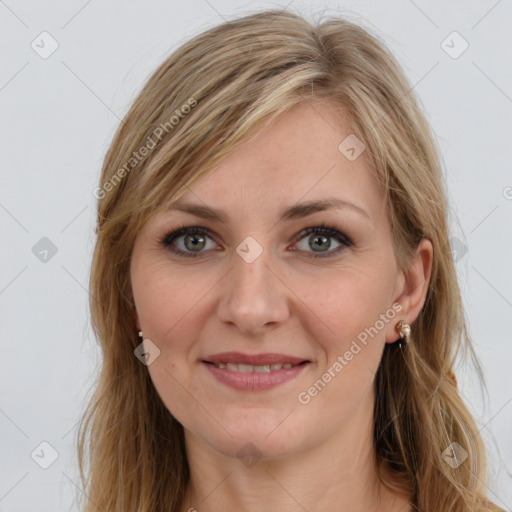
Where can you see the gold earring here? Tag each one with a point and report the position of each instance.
(404, 330)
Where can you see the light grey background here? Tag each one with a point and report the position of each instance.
(58, 115)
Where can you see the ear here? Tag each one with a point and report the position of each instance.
(412, 287)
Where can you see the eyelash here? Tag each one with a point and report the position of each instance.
(322, 229)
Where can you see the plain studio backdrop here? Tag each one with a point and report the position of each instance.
(68, 74)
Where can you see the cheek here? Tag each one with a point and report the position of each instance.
(344, 320)
(347, 308)
(163, 300)
(168, 308)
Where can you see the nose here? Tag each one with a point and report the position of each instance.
(253, 296)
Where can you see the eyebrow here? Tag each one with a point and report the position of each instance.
(292, 212)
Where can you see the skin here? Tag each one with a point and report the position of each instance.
(314, 456)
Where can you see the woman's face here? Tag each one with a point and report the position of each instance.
(256, 284)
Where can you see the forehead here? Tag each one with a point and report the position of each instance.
(297, 158)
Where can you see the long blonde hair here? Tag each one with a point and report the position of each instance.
(205, 100)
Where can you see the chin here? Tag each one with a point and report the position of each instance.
(253, 441)
(252, 448)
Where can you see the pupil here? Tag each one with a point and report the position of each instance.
(323, 239)
(194, 241)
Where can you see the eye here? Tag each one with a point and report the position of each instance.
(319, 237)
(189, 241)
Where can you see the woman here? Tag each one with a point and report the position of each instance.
(273, 287)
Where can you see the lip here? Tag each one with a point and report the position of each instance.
(254, 381)
(253, 359)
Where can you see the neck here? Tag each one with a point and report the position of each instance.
(337, 474)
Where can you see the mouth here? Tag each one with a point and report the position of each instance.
(248, 368)
(260, 372)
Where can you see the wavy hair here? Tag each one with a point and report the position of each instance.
(205, 100)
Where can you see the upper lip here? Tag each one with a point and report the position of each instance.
(253, 359)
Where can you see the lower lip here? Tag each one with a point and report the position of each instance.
(255, 381)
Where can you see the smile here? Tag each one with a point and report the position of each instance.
(248, 377)
(248, 368)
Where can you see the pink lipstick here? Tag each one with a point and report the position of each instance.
(256, 372)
